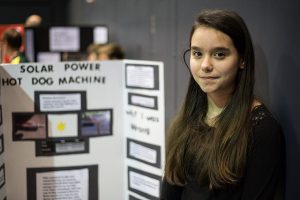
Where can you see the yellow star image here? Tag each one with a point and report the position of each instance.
(61, 126)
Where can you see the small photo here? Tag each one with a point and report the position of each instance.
(96, 123)
(62, 125)
(29, 126)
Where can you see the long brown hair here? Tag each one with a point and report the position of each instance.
(214, 156)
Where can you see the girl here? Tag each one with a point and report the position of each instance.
(224, 143)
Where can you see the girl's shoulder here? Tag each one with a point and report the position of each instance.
(264, 124)
(259, 113)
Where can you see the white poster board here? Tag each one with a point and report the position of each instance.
(143, 124)
(82, 130)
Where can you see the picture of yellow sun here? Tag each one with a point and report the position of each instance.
(61, 126)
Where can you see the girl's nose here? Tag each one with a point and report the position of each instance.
(206, 64)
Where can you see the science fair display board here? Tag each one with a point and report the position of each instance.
(82, 130)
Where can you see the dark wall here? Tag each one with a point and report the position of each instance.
(146, 29)
(53, 12)
(159, 29)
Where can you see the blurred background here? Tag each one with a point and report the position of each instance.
(159, 30)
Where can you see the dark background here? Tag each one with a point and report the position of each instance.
(159, 30)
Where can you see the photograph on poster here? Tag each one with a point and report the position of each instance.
(77, 182)
(59, 101)
(2, 176)
(142, 76)
(29, 126)
(0, 114)
(144, 152)
(144, 101)
(62, 125)
(61, 146)
(96, 123)
(1, 144)
(143, 183)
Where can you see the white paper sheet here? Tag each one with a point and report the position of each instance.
(67, 184)
(64, 39)
(143, 101)
(100, 35)
(60, 102)
(69, 147)
(48, 57)
(138, 76)
(144, 184)
(142, 152)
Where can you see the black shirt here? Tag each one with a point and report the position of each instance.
(264, 175)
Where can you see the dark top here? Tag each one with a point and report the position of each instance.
(264, 175)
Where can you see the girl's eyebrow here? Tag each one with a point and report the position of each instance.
(195, 48)
(213, 49)
(221, 49)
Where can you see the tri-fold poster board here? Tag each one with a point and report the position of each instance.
(82, 130)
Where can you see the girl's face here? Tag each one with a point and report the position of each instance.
(214, 61)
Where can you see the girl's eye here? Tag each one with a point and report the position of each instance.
(219, 55)
(196, 54)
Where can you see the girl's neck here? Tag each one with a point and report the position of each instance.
(214, 108)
